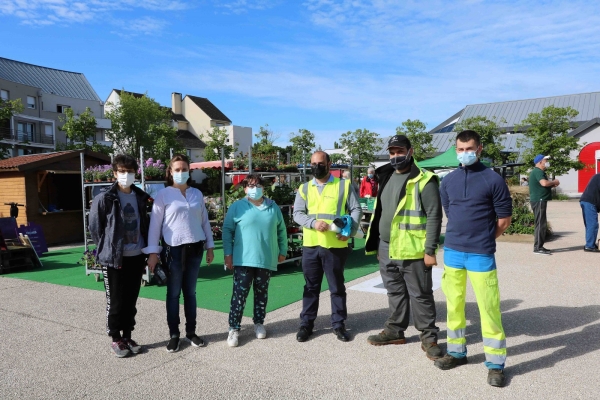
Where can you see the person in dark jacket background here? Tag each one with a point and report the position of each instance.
(118, 224)
(590, 205)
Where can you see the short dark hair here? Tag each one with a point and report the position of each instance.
(177, 157)
(257, 179)
(468, 135)
(125, 160)
(326, 155)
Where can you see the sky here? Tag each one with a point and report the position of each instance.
(328, 66)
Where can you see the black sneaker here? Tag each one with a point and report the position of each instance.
(173, 345)
(593, 249)
(449, 362)
(542, 251)
(303, 334)
(195, 340)
(496, 378)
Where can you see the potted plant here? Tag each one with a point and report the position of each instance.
(89, 259)
(88, 174)
(154, 170)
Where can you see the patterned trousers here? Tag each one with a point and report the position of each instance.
(243, 278)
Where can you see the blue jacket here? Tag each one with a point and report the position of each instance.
(473, 198)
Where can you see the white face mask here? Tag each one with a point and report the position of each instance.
(181, 177)
(547, 164)
(125, 179)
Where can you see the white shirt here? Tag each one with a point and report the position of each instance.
(178, 219)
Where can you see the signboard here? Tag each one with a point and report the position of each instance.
(8, 228)
(36, 235)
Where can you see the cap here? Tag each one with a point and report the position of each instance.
(539, 158)
(398, 141)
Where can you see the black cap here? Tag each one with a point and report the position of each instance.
(398, 141)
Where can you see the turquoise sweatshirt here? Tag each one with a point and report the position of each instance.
(255, 236)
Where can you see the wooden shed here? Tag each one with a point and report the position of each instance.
(49, 184)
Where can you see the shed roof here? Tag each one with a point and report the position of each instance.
(35, 161)
(189, 140)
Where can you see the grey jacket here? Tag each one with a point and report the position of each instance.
(106, 224)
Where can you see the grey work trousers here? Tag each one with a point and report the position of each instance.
(540, 223)
(407, 280)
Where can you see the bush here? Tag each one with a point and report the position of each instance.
(523, 220)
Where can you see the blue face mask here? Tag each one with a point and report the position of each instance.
(255, 193)
(370, 176)
(466, 158)
(181, 177)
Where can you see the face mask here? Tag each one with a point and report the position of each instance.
(547, 164)
(125, 179)
(181, 177)
(400, 162)
(466, 158)
(320, 171)
(370, 176)
(255, 193)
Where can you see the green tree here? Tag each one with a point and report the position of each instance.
(8, 108)
(490, 132)
(266, 139)
(302, 142)
(141, 121)
(80, 131)
(361, 146)
(420, 139)
(217, 140)
(548, 131)
(339, 158)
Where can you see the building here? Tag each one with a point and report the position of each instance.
(45, 94)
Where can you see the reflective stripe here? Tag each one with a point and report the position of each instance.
(413, 227)
(417, 197)
(494, 343)
(494, 358)
(322, 216)
(457, 334)
(411, 213)
(457, 348)
(341, 197)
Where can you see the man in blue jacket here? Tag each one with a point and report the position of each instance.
(590, 205)
(479, 209)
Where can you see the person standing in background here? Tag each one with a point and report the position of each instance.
(590, 205)
(540, 192)
(369, 185)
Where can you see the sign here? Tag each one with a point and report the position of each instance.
(36, 235)
(8, 228)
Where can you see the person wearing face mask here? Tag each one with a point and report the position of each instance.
(318, 203)
(540, 192)
(404, 233)
(118, 225)
(478, 205)
(254, 242)
(180, 218)
(369, 184)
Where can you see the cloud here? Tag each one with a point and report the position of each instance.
(243, 6)
(140, 26)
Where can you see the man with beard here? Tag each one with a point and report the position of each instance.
(319, 202)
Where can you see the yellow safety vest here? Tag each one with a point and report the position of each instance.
(407, 234)
(326, 206)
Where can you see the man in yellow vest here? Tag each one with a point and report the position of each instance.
(404, 233)
(318, 202)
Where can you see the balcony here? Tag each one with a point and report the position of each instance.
(17, 136)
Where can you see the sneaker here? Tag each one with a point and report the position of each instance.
(496, 378)
(232, 339)
(303, 333)
(120, 348)
(260, 331)
(133, 346)
(432, 350)
(543, 251)
(449, 362)
(173, 345)
(195, 340)
(592, 249)
(383, 338)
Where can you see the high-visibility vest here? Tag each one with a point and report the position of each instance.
(326, 206)
(407, 234)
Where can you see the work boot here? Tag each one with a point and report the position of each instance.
(449, 362)
(496, 378)
(432, 350)
(383, 338)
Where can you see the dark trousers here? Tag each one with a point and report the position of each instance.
(243, 278)
(409, 286)
(317, 261)
(539, 213)
(122, 290)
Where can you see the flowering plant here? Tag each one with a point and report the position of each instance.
(98, 173)
(89, 259)
(155, 170)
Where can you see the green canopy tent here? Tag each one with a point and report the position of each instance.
(445, 160)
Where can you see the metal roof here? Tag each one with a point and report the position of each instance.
(50, 80)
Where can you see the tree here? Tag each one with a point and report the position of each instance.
(141, 121)
(361, 146)
(302, 142)
(549, 133)
(266, 139)
(490, 133)
(420, 139)
(8, 108)
(81, 132)
(336, 145)
(217, 140)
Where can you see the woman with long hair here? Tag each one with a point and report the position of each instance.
(180, 218)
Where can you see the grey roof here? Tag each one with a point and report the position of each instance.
(209, 108)
(189, 140)
(50, 80)
(134, 94)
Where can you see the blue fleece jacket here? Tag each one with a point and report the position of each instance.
(473, 198)
(255, 236)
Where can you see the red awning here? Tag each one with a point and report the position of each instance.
(212, 164)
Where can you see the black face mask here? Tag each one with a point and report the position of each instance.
(319, 171)
(400, 162)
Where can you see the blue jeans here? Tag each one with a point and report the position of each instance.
(183, 263)
(590, 220)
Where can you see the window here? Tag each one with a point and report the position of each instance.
(30, 102)
(61, 109)
(4, 94)
(25, 131)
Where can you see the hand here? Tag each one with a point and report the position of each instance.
(341, 237)
(430, 261)
(556, 182)
(210, 256)
(321, 226)
(229, 262)
(281, 258)
(152, 261)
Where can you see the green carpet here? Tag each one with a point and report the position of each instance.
(214, 284)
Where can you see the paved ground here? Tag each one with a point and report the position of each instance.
(54, 344)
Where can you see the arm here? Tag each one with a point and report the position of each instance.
(97, 218)
(549, 183)
(299, 214)
(501, 225)
(354, 209)
(229, 233)
(432, 205)
(209, 244)
(155, 232)
(362, 187)
(502, 207)
(444, 196)
(282, 238)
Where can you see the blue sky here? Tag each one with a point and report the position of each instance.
(325, 65)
